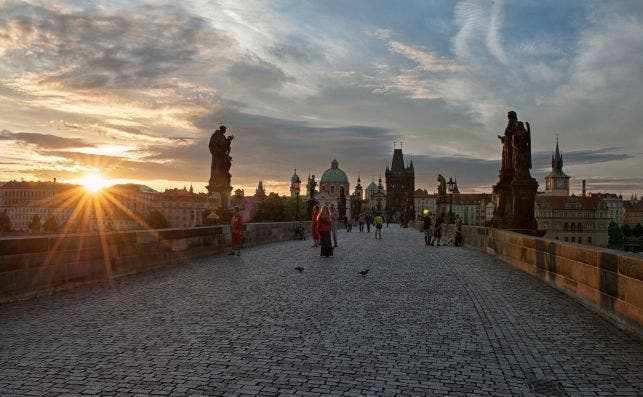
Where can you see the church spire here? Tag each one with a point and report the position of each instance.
(557, 158)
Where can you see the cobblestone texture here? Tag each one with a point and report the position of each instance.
(424, 321)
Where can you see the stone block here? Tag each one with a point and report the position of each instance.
(631, 291)
(631, 313)
(23, 245)
(608, 261)
(578, 253)
(609, 283)
(631, 267)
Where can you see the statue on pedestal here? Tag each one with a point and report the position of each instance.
(516, 189)
(219, 186)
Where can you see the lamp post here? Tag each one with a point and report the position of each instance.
(450, 186)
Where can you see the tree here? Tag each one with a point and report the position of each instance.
(615, 235)
(35, 224)
(272, 209)
(156, 220)
(5, 222)
(51, 224)
(627, 230)
(638, 230)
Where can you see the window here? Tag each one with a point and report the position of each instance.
(566, 228)
(589, 240)
(580, 240)
(580, 227)
(573, 239)
(573, 227)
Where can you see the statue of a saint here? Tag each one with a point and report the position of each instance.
(312, 184)
(521, 147)
(221, 160)
(507, 149)
(442, 186)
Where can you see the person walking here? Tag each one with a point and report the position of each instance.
(334, 215)
(314, 226)
(324, 223)
(349, 224)
(458, 231)
(360, 220)
(428, 232)
(437, 230)
(368, 220)
(236, 226)
(378, 221)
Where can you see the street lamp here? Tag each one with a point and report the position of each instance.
(297, 189)
(450, 187)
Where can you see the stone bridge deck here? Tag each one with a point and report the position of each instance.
(424, 321)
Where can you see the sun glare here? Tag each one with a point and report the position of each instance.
(93, 182)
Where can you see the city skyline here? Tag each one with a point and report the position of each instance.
(134, 90)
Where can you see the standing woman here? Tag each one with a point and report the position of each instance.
(236, 225)
(324, 224)
(314, 226)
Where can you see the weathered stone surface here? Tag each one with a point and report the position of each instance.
(424, 321)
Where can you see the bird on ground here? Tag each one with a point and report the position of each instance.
(363, 272)
(299, 269)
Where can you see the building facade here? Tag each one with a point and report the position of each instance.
(181, 208)
(577, 219)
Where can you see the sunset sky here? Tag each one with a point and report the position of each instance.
(134, 89)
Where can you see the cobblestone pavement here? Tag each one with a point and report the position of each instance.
(424, 321)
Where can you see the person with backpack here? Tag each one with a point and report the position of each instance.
(378, 221)
(236, 227)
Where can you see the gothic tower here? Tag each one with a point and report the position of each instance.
(557, 182)
(400, 187)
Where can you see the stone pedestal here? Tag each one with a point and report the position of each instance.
(524, 196)
(503, 216)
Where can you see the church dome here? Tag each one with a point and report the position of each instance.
(334, 174)
(372, 186)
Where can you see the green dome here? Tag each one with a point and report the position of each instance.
(334, 174)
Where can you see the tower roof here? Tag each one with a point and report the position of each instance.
(398, 160)
(557, 164)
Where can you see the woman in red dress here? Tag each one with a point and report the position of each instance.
(236, 225)
(324, 224)
(314, 226)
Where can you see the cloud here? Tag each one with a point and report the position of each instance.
(48, 141)
(428, 61)
(257, 73)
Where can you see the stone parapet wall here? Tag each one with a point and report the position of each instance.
(39, 265)
(608, 281)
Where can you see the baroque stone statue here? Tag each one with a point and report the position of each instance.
(521, 147)
(507, 141)
(442, 186)
(221, 160)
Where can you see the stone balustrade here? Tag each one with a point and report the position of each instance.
(38, 265)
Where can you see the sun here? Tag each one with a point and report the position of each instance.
(93, 182)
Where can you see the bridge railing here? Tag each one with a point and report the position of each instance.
(608, 281)
(39, 265)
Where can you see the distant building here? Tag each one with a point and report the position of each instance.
(23, 200)
(123, 207)
(180, 207)
(472, 207)
(422, 200)
(400, 186)
(633, 213)
(577, 219)
(260, 192)
(614, 203)
(375, 197)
